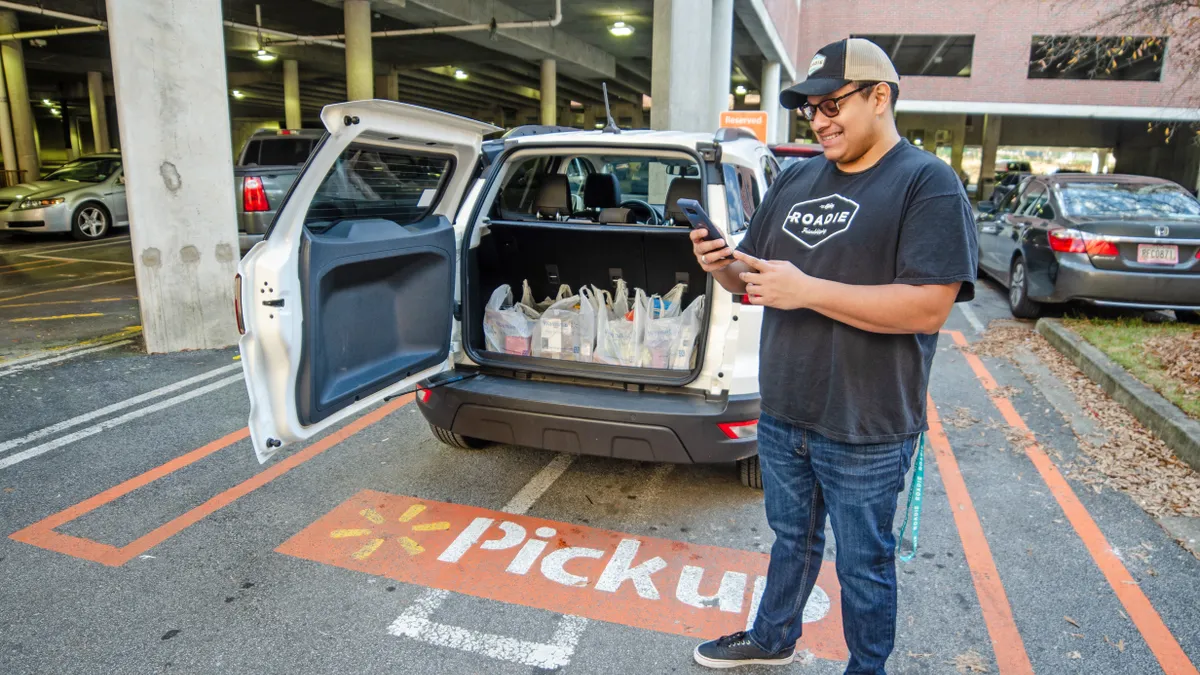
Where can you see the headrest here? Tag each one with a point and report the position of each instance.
(616, 215)
(554, 197)
(601, 191)
(681, 188)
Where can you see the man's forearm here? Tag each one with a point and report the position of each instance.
(891, 308)
(730, 277)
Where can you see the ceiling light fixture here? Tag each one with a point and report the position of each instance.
(621, 29)
(740, 90)
(237, 94)
(47, 102)
(460, 74)
(264, 55)
(56, 112)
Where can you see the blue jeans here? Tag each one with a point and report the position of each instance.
(806, 477)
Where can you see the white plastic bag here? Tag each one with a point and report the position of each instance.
(567, 329)
(684, 346)
(564, 292)
(663, 327)
(619, 328)
(507, 327)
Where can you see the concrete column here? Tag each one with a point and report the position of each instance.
(549, 91)
(291, 94)
(785, 119)
(8, 146)
(1102, 161)
(639, 116)
(73, 142)
(381, 86)
(393, 84)
(99, 111)
(589, 117)
(958, 143)
(770, 98)
(721, 51)
(18, 99)
(987, 166)
(679, 81)
(173, 104)
(360, 68)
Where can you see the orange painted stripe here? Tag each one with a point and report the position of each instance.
(42, 533)
(1009, 648)
(1159, 638)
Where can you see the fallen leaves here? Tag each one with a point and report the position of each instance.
(1120, 644)
(962, 419)
(969, 662)
(1071, 621)
(1074, 655)
(1000, 339)
(1180, 356)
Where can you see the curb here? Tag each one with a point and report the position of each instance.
(1180, 432)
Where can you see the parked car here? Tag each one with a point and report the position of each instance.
(1005, 184)
(85, 197)
(265, 170)
(790, 153)
(1114, 240)
(373, 282)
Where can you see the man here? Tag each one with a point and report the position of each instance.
(857, 258)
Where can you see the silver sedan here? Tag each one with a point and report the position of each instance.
(85, 197)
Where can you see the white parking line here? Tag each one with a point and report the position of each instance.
(13, 367)
(415, 623)
(48, 248)
(42, 449)
(972, 319)
(119, 405)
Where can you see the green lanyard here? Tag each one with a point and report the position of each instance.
(915, 493)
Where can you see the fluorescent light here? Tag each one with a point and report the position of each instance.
(56, 112)
(47, 102)
(264, 55)
(740, 90)
(621, 29)
(460, 74)
(237, 94)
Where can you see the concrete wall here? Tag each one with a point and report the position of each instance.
(1002, 39)
(786, 16)
(1146, 152)
(1037, 131)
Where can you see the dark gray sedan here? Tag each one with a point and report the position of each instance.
(1114, 240)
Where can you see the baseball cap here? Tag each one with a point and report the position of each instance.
(837, 64)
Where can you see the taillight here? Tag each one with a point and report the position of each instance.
(1066, 240)
(740, 430)
(237, 304)
(424, 394)
(745, 300)
(1102, 248)
(254, 197)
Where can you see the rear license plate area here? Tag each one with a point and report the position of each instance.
(1158, 254)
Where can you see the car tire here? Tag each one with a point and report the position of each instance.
(90, 222)
(457, 440)
(751, 472)
(1187, 316)
(1018, 292)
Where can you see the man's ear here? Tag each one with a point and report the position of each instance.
(882, 97)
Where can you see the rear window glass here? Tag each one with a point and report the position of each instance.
(284, 151)
(367, 182)
(1128, 200)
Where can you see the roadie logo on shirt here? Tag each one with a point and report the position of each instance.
(813, 221)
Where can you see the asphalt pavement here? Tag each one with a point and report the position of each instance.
(141, 536)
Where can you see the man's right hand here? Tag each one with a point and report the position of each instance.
(713, 256)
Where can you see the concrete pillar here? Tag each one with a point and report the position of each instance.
(8, 146)
(173, 104)
(679, 81)
(99, 111)
(549, 91)
(1102, 161)
(589, 117)
(721, 51)
(73, 142)
(18, 99)
(784, 124)
(770, 98)
(291, 94)
(393, 84)
(987, 166)
(639, 116)
(360, 68)
(381, 86)
(958, 142)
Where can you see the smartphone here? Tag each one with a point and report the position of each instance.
(699, 219)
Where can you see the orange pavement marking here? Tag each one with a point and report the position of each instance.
(1011, 657)
(42, 533)
(685, 589)
(1166, 649)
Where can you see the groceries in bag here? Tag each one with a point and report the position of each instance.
(620, 326)
(507, 327)
(567, 329)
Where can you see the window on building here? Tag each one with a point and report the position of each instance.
(929, 55)
(1080, 57)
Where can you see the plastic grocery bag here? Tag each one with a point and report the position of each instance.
(619, 328)
(662, 328)
(567, 329)
(684, 346)
(507, 327)
(564, 292)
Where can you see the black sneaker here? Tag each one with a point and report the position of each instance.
(737, 650)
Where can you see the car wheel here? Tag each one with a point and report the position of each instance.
(457, 440)
(90, 222)
(1187, 316)
(751, 472)
(1018, 293)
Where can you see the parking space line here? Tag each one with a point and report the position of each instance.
(67, 302)
(42, 533)
(27, 266)
(60, 290)
(51, 248)
(81, 260)
(1158, 637)
(59, 317)
(972, 318)
(1007, 645)
(11, 369)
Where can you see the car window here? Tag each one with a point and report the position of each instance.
(368, 183)
(521, 187)
(93, 170)
(771, 169)
(577, 173)
(738, 220)
(1007, 203)
(1028, 199)
(748, 187)
(1128, 200)
(250, 154)
(284, 151)
(647, 178)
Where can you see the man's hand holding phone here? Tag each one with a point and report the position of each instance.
(712, 255)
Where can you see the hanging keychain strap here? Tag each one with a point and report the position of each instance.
(915, 494)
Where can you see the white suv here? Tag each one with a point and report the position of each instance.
(372, 281)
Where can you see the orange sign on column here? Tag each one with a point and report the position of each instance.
(754, 120)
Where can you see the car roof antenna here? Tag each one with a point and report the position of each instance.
(611, 127)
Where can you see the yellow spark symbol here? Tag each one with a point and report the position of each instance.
(372, 516)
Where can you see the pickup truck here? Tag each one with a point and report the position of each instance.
(263, 174)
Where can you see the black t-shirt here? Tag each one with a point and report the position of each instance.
(905, 220)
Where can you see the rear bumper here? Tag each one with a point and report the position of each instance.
(1077, 279)
(679, 428)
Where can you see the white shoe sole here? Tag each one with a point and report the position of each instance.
(713, 663)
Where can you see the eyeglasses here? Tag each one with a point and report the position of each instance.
(829, 107)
